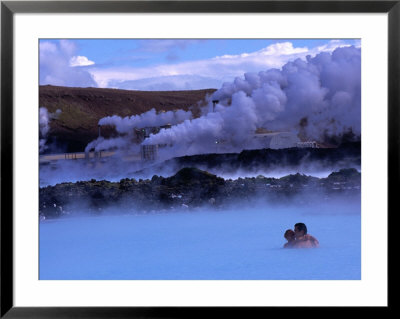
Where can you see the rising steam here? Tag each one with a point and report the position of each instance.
(316, 99)
(44, 128)
(126, 125)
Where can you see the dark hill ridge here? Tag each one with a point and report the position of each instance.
(191, 188)
(82, 108)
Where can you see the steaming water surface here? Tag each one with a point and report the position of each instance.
(114, 170)
(203, 245)
(310, 96)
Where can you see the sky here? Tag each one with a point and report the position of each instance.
(168, 64)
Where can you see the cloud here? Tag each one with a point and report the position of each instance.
(61, 65)
(55, 65)
(168, 83)
(277, 49)
(218, 69)
(318, 98)
(47, 48)
(164, 45)
(80, 61)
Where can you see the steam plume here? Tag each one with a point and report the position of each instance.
(44, 119)
(316, 99)
(126, 125)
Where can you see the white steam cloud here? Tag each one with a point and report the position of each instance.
(147, 119)
(318, 98)
(315, 99)
(126, 125)
(44, 128)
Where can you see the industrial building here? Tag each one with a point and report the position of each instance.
(149, 152)
(310, 144)
(141, 134)
(261, 139)
(275, 140)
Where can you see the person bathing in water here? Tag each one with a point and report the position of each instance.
(289, 235)
(299, 238)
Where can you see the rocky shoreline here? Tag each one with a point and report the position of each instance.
(191, 188)
(253, 161)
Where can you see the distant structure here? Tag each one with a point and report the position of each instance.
(308, 144)
(88, 155)
(214, 102)
(141, 134)
(149, 152)
(261, 139)
(275, 140)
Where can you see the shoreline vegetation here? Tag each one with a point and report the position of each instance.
(192, 188)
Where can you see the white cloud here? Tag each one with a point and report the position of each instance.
(334, 44)
(80, 61)
(47, 47)
(220, 68)
(55, 65)
(60, 65)
(166, 44)
(168, 83)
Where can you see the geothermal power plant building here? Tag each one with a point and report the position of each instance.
(261, 139)
(149, 152)
(275, 140)
(272, 140)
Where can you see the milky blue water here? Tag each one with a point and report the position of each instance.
(195, 245)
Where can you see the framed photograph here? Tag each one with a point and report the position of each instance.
(188, 158)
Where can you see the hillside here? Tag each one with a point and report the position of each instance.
(82, 108)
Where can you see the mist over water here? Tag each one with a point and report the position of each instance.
(317, 99)
(111, 169)
(243, 244)
(115, 168)
(240, 242)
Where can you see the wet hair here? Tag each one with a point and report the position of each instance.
(301, 227)
(289, 234)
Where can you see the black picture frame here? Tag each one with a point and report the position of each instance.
(9, 8)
